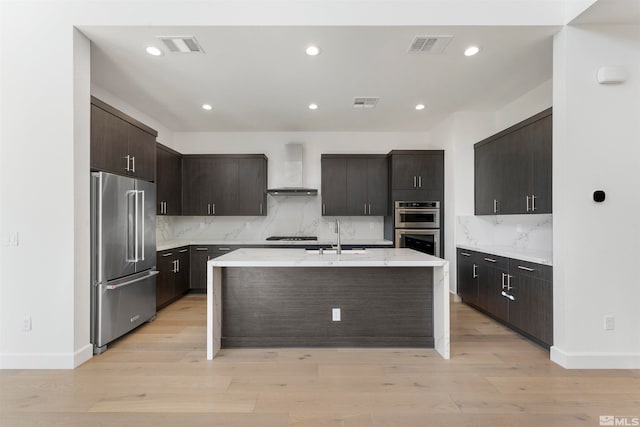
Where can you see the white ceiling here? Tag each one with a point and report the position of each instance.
(611, 12)
(260, 79)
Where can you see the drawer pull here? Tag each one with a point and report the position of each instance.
(202, 249)
(526, 268)
(183, 251)
(224, 249)
(464, 254)
(490, 259)
(168, 254)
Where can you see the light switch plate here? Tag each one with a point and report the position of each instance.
(11, 239)
(335, 314)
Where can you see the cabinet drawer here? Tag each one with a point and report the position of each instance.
(530, 269)
(494, 261)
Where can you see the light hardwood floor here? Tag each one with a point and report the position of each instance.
(159, 376)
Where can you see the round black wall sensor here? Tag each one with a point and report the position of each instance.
(598, 196)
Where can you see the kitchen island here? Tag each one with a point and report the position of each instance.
(289, 297)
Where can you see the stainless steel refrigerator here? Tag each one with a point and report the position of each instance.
(123, 256)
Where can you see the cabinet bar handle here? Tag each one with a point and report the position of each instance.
(213, 208)
(503, 283)
(495, 206)
(208, 208)
(183, 251)
(177, 266)
(133, 164)
(475, 272)
(202, 249)
(533, 203)
(260, 208)
(490, 260)
(168, 254)
(369, 208)
(526, 268)
(224, 249)
(506, 295)
(420, 181)
(528, 208)
(509, 287)
(127, 159)
(464, 254)
(323, 209)
(414, 181)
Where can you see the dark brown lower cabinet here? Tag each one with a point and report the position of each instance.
(468, 276)
(517, 293)
(173, 279)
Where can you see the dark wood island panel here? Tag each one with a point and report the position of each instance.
(292, 307)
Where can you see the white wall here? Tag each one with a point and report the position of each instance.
(43, 139)
(596, 146)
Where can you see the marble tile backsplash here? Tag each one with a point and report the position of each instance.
(286, 216)
(533, 232)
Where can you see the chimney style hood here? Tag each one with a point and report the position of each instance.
(293, 174)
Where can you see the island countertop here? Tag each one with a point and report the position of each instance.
(400, 257)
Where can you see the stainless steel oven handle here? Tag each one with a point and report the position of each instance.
(130, 282)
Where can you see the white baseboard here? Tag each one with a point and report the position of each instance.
(591, 360)
(46, 360)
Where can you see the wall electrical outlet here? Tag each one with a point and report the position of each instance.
(335, 314)
(609, 323)
(26, 324)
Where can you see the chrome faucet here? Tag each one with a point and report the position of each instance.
(339, 246)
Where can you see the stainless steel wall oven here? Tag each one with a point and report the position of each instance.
(417, 226)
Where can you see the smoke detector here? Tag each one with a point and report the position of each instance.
(429, 44)
(181, 44)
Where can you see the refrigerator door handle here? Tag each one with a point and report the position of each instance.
(136, 229)
(131, 282)
(132, 229)
(142, 229)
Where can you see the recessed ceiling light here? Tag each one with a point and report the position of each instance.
(312, 50)
(154, 51)
(313, 106)
(206, 107)
(471, 50)
(420, 107)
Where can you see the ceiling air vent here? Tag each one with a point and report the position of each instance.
(365, 102)
(181, 44)
(429, 44)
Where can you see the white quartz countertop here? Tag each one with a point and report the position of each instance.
(171, 244)
(537, 256)
(301, 258)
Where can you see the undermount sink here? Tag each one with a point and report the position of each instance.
(334, 252)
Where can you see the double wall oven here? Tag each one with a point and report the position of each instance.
(417, 226)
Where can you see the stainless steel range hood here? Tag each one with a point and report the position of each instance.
(293, 174)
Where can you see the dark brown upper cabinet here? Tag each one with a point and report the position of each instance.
(354, 185)
(120, 144)
(513, 169)
(224, 184)
(168, 181)
(417, 175)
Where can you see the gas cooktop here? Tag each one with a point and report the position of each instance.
(294, 238)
